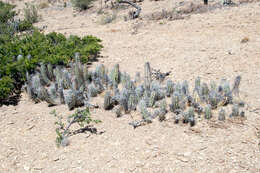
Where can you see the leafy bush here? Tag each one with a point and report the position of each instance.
(82, 4)
(31, 13)
(6, 12)
(6, 87)
(81, 117)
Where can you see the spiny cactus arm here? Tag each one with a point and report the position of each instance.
(235, 89)
(138, 8)
(44, 74)
(147, 76)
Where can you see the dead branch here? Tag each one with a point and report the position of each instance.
(138, 8)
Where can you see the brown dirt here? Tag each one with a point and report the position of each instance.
(210, 45)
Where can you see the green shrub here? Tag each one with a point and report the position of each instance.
(81, 117)
(25, 26)
(82, 4)
(6, 87)
(30, 13)
(6, 12)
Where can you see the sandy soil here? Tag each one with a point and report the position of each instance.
(206, 45)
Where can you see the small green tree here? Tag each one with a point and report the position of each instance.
(80, 117)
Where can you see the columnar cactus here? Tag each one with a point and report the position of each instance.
(147, 76)
(214, 99)
(197, 85)
(78, 70)
(222, 115)
(44, 74)
(137, 77)
(50, 71)
(86, 74)
(204, 92)
(169, 88)
(115, 74)
(163, 108)
(191, 116)
(177, 118)
(66, 78)
(213, 86)
(69, 97)
(139, 92)
(117, 111)
(132, 101)
(92, 91)
(185, 88)
(44, 96)
(185, 116)
(178, 89)
(235, 89)
(152, 99)
(208, 112)
(146, 115)
(60, 92)
(123, 100)
(52, 90)
(175, 102)
(75, 83)
(235, 111)
(57, 74)
(108, 101)
(101, 71)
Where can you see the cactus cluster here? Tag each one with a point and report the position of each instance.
(76, 85)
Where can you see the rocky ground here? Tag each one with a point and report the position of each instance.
(215, 44)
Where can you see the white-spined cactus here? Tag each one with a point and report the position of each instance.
(169, 88)
(44, 74)
(235, 111)
(108, 101)
(185, 88)
(236, 84)
(147, 76)
(208, 112)
(115, 74)
(132, 101)
(50, 71)
(222, 115)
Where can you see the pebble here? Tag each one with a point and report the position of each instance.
(26, 168)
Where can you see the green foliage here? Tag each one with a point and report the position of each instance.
(81, 117)
(82, 4)
(6, 87)
(25, 25)
(6, 12)
(30, 13)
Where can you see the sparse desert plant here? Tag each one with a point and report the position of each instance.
(80, 117)
(108, 18)
(43, 5)
(31, 13)
(6, 87)
(222, 115)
